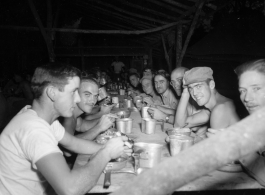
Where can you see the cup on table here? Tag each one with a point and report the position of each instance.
(144, 112)
(178, 143)
(148, 125)
(124, 125)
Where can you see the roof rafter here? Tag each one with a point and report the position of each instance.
(177, 4)
(131, 13)
(148, 10)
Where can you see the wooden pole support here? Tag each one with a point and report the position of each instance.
(243, 138)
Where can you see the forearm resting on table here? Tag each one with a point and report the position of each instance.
(198, 119)
(168, 111)
(86, 177)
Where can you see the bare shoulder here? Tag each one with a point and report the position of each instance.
(226, 105)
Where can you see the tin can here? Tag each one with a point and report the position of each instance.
(129, 103)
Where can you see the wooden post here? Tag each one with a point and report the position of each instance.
(191, 30)
(178, 43)
(165, 52)
(243, 138)
(47, 39)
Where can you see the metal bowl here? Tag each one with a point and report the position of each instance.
(123, 114)
(178, 131)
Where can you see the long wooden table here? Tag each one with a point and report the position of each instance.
(217, 180)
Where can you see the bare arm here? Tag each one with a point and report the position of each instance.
(199, 118)
(168, 111)
(79, 146)
(80, 180)
(182, 110)
(103, 124)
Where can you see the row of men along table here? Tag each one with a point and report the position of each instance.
(222, 179)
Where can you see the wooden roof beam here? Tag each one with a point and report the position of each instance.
(175, 3)
(148, 10)
(126, 18)
(165, 6)
(131, 13)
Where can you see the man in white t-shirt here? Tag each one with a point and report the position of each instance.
(117, 65)
(30, 157)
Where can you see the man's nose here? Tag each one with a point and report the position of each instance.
(77, 97)
(248, 97)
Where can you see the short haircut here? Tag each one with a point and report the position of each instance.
(164, 74)
(89, 79)
(134, 74)
(254, 65)
(54, 74)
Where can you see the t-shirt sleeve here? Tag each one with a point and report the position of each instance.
(37, 143)
(58, 130)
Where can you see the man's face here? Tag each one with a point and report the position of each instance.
(147, 86)
(176, 81)
(200, 92)
(134, 80)
(161, 84)
(88, 92)
(66, 100)
(252, 90)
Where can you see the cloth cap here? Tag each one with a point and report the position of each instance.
(197, 74)
(146, 77)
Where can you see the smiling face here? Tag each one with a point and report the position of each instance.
(200, 92)
(252, 90)
(147, 86)
(134, 80)
(66, 100)
(88, 92)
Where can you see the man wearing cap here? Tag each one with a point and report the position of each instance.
(188, 113)
(201, 86)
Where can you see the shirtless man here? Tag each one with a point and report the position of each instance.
(188, 113)
(201, 86)
(88, 92)
(30, 157)
(251, 77)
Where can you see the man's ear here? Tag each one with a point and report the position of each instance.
(51, 92)
(212, 84)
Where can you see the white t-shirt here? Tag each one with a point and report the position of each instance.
(117, 66)
(26, 139)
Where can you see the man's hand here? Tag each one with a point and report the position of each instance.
(117, 146)
(105, 122)
(212, 132)
(148, 100)
(105, 109)
(157, 114)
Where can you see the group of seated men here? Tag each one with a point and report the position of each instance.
(195, 104)
(30, 159)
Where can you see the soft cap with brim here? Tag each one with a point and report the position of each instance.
(197, 74)
(149, 77)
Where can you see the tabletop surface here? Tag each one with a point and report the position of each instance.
(226, 179)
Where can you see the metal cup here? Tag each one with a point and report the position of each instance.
(129, 103)
(145, 114)
(179, 142)
(148, 125)
(179, 131)
(124, 125)
(122, 92)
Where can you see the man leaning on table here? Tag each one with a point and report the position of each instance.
(201, 87)
(165, 112)
(30, 157)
